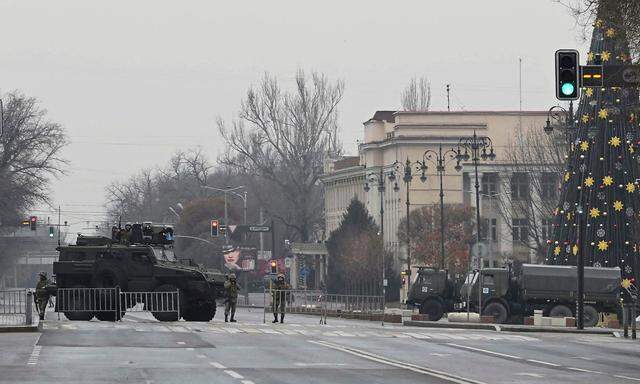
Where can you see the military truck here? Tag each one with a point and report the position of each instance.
(434, 293)
(549, 288)
(141, 261)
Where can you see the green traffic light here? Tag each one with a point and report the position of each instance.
(568, 89)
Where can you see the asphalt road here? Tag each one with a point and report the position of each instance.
(141, 350)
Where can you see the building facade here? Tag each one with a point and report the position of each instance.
(391, 136)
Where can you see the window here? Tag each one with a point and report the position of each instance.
(548, 185)
(547, 228)
(490, 230)
(520, 230)
(490, 184)
(487, 280)
(520, 186)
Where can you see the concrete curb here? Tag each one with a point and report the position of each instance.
(507, 327)
(20, 328)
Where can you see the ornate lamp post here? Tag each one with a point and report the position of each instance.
(407, 171)
(568, 127)
(440, 160)
(379, 179)
(475, 148)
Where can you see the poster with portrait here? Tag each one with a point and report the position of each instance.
(240, 259)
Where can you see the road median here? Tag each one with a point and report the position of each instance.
(507, 327)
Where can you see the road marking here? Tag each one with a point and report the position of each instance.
(583, 370)
(626, 377)
(201, 356)
(399, 364)
(247, 382)
(440, 354)
(181, 342)
(537, 375)
(544, 363)
(190, 349)
(320, 364)
(234, 374)
(35, 354)
(217, 365)
(485, 351)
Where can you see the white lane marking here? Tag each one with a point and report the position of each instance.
(234, 374)
(320, 364)
(217, 365)
(181, 342)
(626, 377)
(190, 349)
(201, 356)
(583, 370)
(537, 375)
(440, 354)
(408, 366)
(35, 354)
(247, 382)
(544, 363)
(485, 351)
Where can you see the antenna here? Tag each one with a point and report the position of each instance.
(448, 100)
(520, 89)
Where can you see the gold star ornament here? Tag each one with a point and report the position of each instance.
(556, 250)
(605, 55)
(590, 56)
(575, 249)
(626, 283)
(630, 187)
(608, 180)
(589, 181)
(610, 32)
(599, 23)
(594, 212)
(603, 245)
(585, 118)
(584, 146)
(588, 92)
(603, 113)
(617, 205)
(567, 176)
(614, 141)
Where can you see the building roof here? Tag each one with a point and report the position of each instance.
(383, 116)
(346, 162)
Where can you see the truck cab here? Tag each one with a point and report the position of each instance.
(433, 293)
(491, 289)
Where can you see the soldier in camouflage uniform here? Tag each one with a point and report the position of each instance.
(232, 288)
(42, 295)
(279, 297)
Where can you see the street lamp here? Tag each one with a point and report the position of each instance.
(231, 190)
(379, 179)
(569, 125)
(407, 170)
(440, 160)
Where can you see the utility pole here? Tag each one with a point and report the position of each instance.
(59, 214)
(448, 100)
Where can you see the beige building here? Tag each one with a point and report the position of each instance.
(391, 136)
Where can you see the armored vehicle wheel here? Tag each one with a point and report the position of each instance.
(166, 302)
(560, 311)
(591, 316)
(199, 313)
(77, 299)
(432, 308)
(498, 311)
(108, 316)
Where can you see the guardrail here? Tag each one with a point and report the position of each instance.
(364, 307)
(111, 304)
(16, 307)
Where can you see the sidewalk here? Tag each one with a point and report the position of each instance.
(509, 327)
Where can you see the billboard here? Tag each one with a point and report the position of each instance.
(240, 259)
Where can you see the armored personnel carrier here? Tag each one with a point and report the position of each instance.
(138, 259)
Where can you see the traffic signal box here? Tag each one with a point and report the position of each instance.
(274, 266)
(567, 74)
(51, 231)
(33, 222)
(215, 228)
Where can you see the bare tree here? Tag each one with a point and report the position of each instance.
(281, 139)
(532, 171)
(30, 154)
(623, 14)
(416, 96)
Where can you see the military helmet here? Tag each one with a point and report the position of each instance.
(281, 276)
(232, 276)
(42, 274)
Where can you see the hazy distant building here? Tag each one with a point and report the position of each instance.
(397, 135)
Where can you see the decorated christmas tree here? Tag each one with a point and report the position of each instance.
(599, 208)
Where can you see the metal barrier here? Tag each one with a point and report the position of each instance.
(112, 303)
(16, 307)
(364, 307)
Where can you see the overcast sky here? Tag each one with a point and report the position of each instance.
(134, 81)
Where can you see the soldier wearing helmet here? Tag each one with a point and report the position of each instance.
(232, 288)
(42, 293)
(279, 296)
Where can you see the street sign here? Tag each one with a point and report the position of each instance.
(621, 75)
(259, 228)
(384, 282)
(479, 250)
(288, 261)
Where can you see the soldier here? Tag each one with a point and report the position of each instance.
(125, 236)
(232, 288)
(279, 297)
(42, 295)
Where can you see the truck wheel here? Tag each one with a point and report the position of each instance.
(78, 300)
(498, 311)
(560, 311)
(433, 309)
(199, 313)
(165, 302)
(591, 316)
